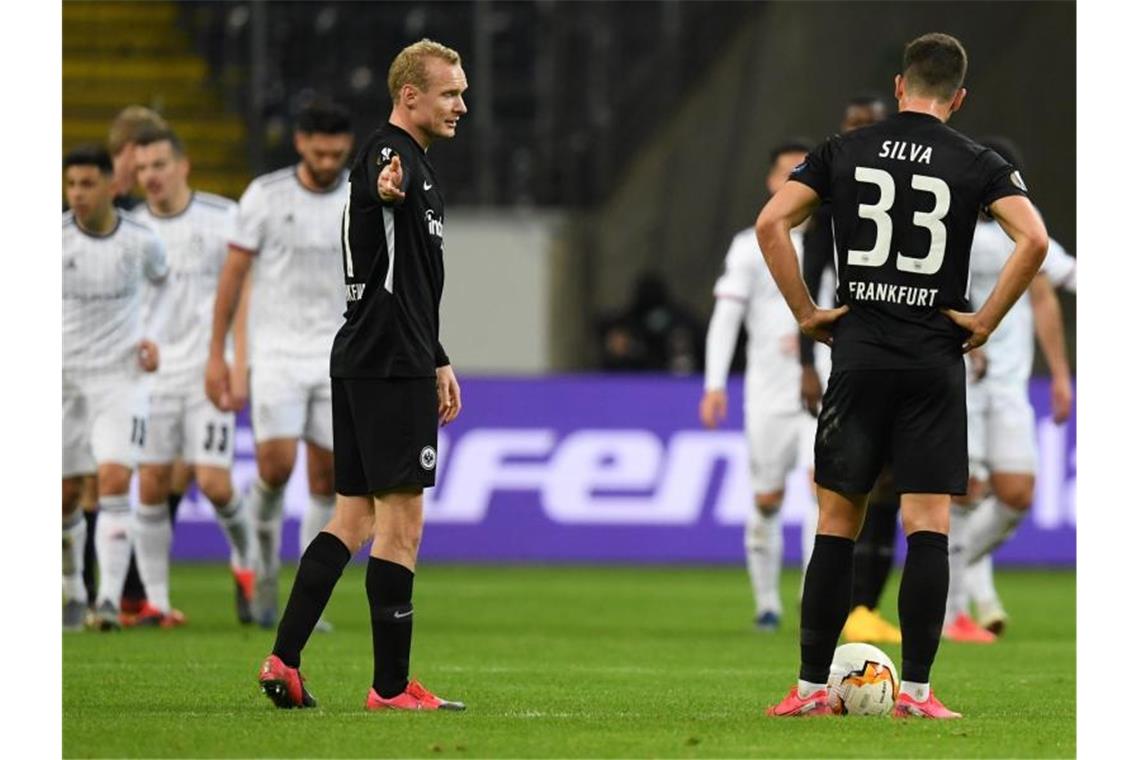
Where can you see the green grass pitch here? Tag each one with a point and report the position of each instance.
(556, 662)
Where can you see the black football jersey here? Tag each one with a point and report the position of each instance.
(393, 266)
(905, 195)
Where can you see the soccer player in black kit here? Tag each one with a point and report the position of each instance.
(392, 385)
(905, 196)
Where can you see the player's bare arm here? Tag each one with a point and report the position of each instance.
(447, 387)
(1050, 328)
(1021, 221)
(239, 372)
(787, 209)
(230, 285)
(390, 181)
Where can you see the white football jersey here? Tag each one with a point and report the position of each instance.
(196, 242)
(297, 298)
(1009, 350)
(105, 291)
(772, 374)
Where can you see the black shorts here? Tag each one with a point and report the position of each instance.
(384, 434)
(914, 419)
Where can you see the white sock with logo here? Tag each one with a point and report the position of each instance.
(152, 535)
(958, 541)
(316, 517)
(980, 581)
(113, 546)
(74, 540)
(266, 509)
(990, 525)
(764, 549)
(234, 519)
(919, 692)
(806, 688)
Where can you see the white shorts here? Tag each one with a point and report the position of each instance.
(292, 400)
(1002, 428)
(190, 428)
(104, 422)
(777, 444)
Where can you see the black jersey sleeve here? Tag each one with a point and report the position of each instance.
(379, 156)
(441, 358)
(815, 170)
(998, 178)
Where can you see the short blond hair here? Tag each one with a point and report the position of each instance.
(410, 66)
(131, 122)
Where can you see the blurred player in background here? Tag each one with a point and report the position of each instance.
(875, 547)
(114, 305)
(289, 234)
(195, 229)
(779, 430)
(392, 385)
(1002, 424)
(905, 197)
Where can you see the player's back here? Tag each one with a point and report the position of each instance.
(905, 198)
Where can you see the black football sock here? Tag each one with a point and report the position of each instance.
(133, 586)
(826, 602)
(922, 602)
(89, 562)
(875, 553)
(389, 588)
(173, 501)
(320, 569)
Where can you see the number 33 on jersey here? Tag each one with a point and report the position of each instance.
(905, 195)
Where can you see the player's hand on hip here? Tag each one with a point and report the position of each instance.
(148, 356)
(819, 323)
(1062, 398)
(714, 407)
(968, 321)
(390, 181)
(218, 383)
(811, 390)
(447, 389)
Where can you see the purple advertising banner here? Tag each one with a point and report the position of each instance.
(617, 469)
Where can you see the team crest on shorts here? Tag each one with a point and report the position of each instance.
(427, 457)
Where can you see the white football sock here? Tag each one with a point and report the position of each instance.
(807, 688)
(113, 546)
(234, 519)
(764, 548)
(980, 581)
(316, 517)
(807, 532)
(958, 539)
(265, 507)
(74, 540)
(152, 537)
(916, 691)
(990, 525)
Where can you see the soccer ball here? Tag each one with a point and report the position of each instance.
(863, 681)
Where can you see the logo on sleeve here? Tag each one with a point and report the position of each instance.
(427, 458)
(434, 223)
(385, 156)
(1016, 179)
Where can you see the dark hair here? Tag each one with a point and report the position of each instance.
(152, 135)
(1006, 148)
(866, 100)
(89, 155)
(325, 117)
(790, 145)
(935, 65)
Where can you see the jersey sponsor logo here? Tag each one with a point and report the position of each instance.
(434, 224)
(1018, 182)
(427, 458)
(354, 291)
(901, 150)
(427, 186)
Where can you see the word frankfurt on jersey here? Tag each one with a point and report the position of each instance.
(901, 150)
(885, 293)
